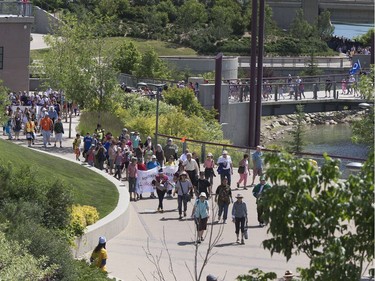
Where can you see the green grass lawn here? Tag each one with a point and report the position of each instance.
(89, 188)
(161, 48)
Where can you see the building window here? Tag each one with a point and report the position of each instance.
(1, 57)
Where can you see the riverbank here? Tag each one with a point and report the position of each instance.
(277, 127)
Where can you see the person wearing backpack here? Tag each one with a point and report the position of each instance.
(201, 213)
(223, 197)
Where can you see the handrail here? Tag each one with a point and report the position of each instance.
(253, 148)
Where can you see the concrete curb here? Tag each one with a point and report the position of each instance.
(109, 226)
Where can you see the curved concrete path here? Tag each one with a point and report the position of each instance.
(144, 226)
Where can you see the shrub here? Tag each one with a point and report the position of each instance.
(81, 217)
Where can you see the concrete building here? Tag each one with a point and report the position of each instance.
(15, 27)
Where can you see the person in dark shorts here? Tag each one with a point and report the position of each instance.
(201, 213)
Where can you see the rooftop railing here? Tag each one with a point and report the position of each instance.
(16, 8)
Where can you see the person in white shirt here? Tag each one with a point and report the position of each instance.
(225, 166)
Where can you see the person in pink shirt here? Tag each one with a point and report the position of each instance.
(133, 174)
(244, 171)
(209, 165)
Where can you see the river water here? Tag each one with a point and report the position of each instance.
(335, 140)
(349, 30)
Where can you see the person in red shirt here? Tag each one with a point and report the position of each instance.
(141, 167)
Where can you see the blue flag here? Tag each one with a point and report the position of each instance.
(355, 68)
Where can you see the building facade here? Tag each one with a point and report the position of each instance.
(15, 34)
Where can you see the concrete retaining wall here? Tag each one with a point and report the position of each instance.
(200, 65)
(44, 22)
(109, 226)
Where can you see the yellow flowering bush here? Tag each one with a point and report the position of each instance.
(81, 217)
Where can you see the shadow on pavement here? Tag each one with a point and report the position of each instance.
(226, 244)
(183, 243)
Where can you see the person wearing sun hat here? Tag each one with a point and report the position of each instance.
(201, 213)
(182, 188)
(225, 166)
(288, 276)
(99, 255)
(239, 217)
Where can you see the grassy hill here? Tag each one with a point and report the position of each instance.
(161, 48)
(89, 188)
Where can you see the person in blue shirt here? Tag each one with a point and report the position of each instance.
(87, 142)
(257, 163)
(201, 213)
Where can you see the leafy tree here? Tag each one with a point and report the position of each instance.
(362, 130)
(18, 264)
(191, 15)
(127, 58)
(257, 275)
(168, 8)
(78, 64)
(300, 28)
(4, 101)
(298, 131)
(151, 66)
(366, 38)
(313, 211)
(221, 21)
(312, 68)
(324, 26)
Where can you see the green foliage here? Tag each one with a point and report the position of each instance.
(191, 15)
(186, 100)
(313, 211)
(46, 170)
(366, 38)
(151, 66)
(4, 101)
(312, 68)
(70, 65)
(300, 28)
(80, 218)
(18, 264)
(297, 133)
(257, 275)
(324, 26)
(23, 184)
(362, 131)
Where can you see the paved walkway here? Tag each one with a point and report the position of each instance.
(127, 257)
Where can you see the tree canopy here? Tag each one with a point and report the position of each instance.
(314, 212)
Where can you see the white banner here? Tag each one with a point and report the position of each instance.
(145, 178)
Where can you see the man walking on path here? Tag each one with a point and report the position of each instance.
(257, 163)
(258, 192)
(58, 128)
(223, 198)
(46, 127)
(225, 166)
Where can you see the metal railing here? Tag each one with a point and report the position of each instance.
(328, 62)
(202, 148)
(15, 8)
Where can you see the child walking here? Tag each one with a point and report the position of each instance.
(76, 145)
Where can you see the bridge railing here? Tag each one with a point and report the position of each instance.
(202, 148)
(309, 88)
(328, 62)
(15, 8)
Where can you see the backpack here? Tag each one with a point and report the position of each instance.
(224, 195)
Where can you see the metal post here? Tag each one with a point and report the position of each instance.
(252, 103)
(203, 152)
(70, 125)
(260, 73)
(276, 92)
(157, 117)
(218, 70)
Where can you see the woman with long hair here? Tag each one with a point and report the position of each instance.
(99, 255)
